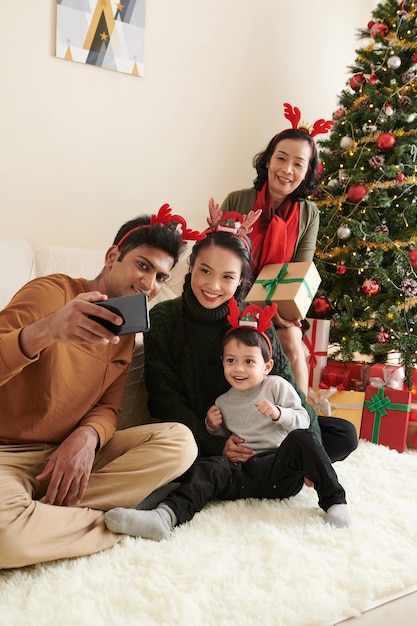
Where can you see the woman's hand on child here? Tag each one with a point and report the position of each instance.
(235, 452)
(268, 409)
(214, 418)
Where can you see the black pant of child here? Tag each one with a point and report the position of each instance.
(274, 474)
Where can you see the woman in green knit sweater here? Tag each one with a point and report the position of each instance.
(183, 369)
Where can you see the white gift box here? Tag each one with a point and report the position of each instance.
(316, 339)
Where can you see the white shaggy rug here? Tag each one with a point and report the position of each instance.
(240, 563)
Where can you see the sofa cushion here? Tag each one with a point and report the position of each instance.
(76, 262)
(16, 267)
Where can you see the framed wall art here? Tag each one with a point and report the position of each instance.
(105, 33)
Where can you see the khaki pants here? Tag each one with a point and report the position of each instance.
(128, 468)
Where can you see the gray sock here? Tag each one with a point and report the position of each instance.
(338, 515)
(156, 497)
(156, 524)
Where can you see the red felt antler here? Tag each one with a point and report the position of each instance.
(248, 222)
(265, 317)
(293, 114)
(321, 127)
(234, 313)
(175, 223)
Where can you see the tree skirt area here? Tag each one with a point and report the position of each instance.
(247, 562)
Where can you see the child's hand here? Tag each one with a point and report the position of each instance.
(214, 418)
(268, 409)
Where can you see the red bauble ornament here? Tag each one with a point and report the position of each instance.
(370, 24)
(400, 177)
(412, 255)
(356, 193)
(339, 113)
(320, 169)
(321, 306)
(414, 58)
(372, 78)
(379, 28)
(382, 337)
(370, 287)
(386, 141)
(341, 269)
(356, 81)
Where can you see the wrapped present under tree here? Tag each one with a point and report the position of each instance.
(385, 417)
(316, 339)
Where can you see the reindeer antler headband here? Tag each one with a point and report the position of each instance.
(176, 223)
(293, 115)
(252, 316)
(232, 222)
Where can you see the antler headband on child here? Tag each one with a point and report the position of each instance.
(252, 316)
(176, 223)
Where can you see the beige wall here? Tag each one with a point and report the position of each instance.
(83, 149)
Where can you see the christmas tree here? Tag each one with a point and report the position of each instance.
(367, 245)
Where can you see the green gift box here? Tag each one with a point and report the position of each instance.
(385, 417)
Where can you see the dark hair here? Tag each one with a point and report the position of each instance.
(249, 337)
(155, 236)
(236, 245)
(262, 159)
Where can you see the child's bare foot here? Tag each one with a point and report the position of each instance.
(308, 482)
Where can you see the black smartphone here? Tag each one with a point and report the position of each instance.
(133, 310)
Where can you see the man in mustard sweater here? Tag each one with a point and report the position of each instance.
(62, 374)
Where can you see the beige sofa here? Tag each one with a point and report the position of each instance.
(22, 262)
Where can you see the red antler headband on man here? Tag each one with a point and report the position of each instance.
(252, 316)
(176, 223)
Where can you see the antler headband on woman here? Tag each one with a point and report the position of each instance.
(252, 316)
(293, 115)
(232, 222)
(176, 223)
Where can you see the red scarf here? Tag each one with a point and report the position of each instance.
(274, 234)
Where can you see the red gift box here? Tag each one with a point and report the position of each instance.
(316, 338)
(359, 373)
(383, 375)
(336, 374)
(385, 417)
(412, 430)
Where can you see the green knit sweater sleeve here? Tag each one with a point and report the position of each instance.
(167, 390)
